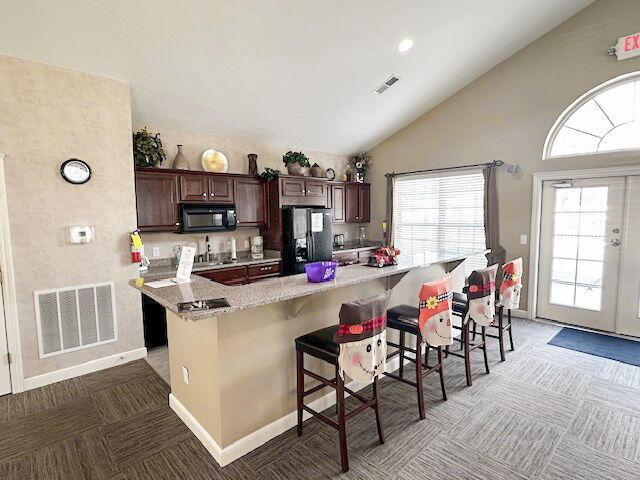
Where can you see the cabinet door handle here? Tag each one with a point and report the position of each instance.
(177, 224)
(213, 194)
(204, 194)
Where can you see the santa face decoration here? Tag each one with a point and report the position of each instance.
(365, 359)
(435, 313)
(511, 284)
(362, 338)
(481, 294)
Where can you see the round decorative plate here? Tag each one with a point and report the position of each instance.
(330, 174)
(75, 171)
(214, 161)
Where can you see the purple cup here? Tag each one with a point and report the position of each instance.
(318, 272)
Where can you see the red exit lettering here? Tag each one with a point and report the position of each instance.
(632, 42)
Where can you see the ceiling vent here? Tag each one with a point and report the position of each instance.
(387, 84)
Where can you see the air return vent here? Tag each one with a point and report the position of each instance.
(388, 83)
(73, 318)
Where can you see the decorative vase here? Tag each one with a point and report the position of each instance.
(253, 163)
(295, 169)
(317, 171)
(180, 162)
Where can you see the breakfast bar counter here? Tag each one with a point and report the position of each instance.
(233, 368)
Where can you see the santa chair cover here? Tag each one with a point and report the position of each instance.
(362, 338)
(481, 293)
(511, 284)
(435, 312)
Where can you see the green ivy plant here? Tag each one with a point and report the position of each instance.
(296, 157)
(147, 149)
(269, 174)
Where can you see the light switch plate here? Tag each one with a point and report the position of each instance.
(523, 239)
(185, 375)
(155, 251)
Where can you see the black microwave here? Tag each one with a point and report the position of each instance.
(208, 218)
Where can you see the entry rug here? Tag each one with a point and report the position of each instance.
(614, 348)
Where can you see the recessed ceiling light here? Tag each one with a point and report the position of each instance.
(405, 45)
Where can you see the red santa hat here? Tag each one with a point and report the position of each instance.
(435, 298)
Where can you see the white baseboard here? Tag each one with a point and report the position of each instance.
(520, 313)
(239, 448)
(84, 368)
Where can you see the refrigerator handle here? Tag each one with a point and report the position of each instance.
(310, 247)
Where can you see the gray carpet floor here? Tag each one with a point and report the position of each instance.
(545, 413)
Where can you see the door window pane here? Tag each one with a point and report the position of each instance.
(589, 273)
(591, 248)
(563, 270)
(588, 297)
(562, 294)
(565, 246)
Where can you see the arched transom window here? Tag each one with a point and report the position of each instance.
(606, 119)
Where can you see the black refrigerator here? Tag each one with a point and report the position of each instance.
(306, 237)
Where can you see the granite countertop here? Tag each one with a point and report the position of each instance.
(168, 269)
(356, 246)
(279, 289)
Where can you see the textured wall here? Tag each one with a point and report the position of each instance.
(49, 115)
(507, 113)
(236, 150)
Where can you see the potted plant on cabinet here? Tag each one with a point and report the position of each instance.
(147, 149)
(297, 163)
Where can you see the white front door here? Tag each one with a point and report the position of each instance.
(5, 377)
(629, 302)
(580, 249)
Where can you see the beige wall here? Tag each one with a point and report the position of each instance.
(236, 150)
(507, 113)
(48, 115)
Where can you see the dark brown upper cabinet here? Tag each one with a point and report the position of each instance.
(337, 203)
(198, 188)
(157, 201)
(251, 208)
(194, 188)
(357, 202)
(303, 191)
(221, 189)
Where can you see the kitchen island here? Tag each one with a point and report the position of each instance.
(233, 368)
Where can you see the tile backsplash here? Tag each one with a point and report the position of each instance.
(220, 241)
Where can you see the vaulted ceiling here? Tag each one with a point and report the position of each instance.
(287, 72)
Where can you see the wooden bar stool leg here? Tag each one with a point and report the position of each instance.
(342, 431)
(474, 332)
(510, 328)
(419, 376)
(376, 394)
(444, 392)
(337, 374)
(467, 356)
(484, 348)
(401, 354)
(300, 387)
(501, 332)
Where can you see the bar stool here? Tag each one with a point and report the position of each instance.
(431, 324)
(509, 299)
(358, 348)
(476, 305)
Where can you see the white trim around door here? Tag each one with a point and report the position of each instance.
(536, 213)
(9, 289)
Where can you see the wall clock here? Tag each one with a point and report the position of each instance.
(75, 171)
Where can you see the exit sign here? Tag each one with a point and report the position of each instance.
(628, 46)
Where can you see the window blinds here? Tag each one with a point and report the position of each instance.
(443, 213)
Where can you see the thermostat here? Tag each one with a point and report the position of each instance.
(80, 234)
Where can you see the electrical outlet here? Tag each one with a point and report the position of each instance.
(523, 239)
(155, 251)
(185, 375)
(246, 244)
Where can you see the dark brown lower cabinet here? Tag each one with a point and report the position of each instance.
(242, 275)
